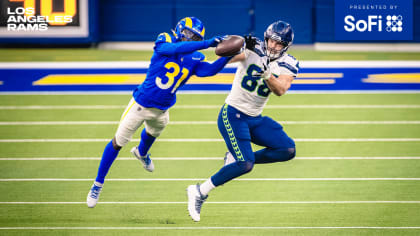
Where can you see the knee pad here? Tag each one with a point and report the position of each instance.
(121, 140)
(115, 145)
(246, 166)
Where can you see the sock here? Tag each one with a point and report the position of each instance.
(108, 158)
(98, 184)
(206, 187)
(145, 142)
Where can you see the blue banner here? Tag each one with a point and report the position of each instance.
(373, 20)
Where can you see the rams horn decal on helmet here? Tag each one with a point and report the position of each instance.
(190, 28)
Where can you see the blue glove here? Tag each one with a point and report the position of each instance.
(214, 41)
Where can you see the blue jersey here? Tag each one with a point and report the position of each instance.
(171, 66)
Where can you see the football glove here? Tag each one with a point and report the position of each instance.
(267, 72)
(213, 42)
(250, 42)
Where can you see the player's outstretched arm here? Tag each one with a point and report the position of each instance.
(204, 69)
(170, 49)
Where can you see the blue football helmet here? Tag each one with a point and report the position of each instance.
(189, 29)
(281, 32)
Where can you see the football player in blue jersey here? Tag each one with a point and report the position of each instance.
(174, 60)
(263, 68)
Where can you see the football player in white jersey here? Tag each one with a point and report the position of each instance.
(264, 68)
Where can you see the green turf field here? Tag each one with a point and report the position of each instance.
(71, 54)
(356, 170)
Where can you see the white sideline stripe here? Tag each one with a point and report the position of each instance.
(333, 122)
(379, 91)
(193, 158)
(244, 202)
(209, 228)
(103, 107)
(145, 64)
(212, 140)
(202, 179)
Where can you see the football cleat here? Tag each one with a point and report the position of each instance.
(195, 201)
(146, 161)
(229, 159)
(93, 195)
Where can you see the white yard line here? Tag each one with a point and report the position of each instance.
(212, 228)
(344, 106)
(4, 123)
(99, 140)
(357, 139)
(55, 107)
(332, 122)
(202, 179)
(355, 122)
(211, 140)
(129, 92)
(105, 107)
(357, 158)
(239, 202)
(192, 158)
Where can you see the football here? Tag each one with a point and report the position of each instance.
(230, 46)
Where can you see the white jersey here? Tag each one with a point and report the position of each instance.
(249, 93)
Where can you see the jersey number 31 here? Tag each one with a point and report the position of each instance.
(172, 66)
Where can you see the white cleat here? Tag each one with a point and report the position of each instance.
(93, 195)
(146, 161)
(229, 159)
(195, 201)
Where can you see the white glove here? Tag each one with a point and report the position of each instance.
(267, 74)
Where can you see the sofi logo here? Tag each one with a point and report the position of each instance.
(376, 20)
(393, 23)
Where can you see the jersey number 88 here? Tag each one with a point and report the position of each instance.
(250, 82)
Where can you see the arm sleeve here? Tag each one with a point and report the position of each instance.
(170, 49)
(204, 69)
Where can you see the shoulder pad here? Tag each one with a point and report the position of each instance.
(164, 38)
(291, 60)
(288, 63)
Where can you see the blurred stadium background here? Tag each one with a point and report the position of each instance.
(354, 111)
